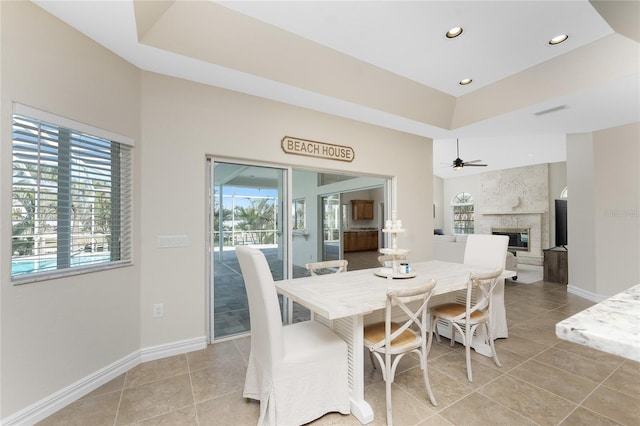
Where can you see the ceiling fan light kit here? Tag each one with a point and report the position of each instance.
(459, 164)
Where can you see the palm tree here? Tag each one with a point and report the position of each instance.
(259, 216)
(217, 220)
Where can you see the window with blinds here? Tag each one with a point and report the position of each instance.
(71, 208)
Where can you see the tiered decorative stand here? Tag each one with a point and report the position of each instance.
(394, 227)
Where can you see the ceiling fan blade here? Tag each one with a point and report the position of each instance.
(474, 165)
(473, 161)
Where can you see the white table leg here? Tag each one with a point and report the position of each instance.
(351, 330)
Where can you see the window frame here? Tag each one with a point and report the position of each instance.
(295, 204)
(120, 204)
(462, 199)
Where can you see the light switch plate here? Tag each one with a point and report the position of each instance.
(170, 241)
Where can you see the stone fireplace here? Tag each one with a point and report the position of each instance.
(522, 223)
(516, 199)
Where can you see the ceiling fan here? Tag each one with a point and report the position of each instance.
(458, 163)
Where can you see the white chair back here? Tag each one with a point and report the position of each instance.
(265, 317)
(330, 265)
(485, 283)
(486, 250)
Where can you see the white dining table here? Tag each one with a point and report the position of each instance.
(342, 300)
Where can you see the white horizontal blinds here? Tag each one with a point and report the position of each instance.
(71, 198)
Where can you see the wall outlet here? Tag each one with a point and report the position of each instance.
(158, 310)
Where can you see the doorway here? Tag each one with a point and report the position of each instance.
(278, 210)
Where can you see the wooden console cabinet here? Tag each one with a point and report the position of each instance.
(556, 266)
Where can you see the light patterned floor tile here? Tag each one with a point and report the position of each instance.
(541, 381)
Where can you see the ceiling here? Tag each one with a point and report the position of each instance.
(389, 63)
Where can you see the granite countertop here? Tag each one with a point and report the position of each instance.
(612, 325)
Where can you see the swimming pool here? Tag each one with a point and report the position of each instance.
(49, 263)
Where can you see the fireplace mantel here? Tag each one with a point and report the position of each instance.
(513, 212)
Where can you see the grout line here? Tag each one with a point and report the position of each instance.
(193, 395)
(124, 382)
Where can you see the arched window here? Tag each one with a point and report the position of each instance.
(563, 194)
(462, 207)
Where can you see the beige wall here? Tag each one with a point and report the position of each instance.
(617, 196)
(183, 122)
(56, 332)
(581, 212)
(604, 211)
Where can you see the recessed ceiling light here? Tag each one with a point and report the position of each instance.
(558, 39)
(465, 81)
(454, 32)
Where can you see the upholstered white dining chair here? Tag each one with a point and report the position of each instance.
(298, 372)
(490, 251)
(330, 266)
(389, 341)
(465, 318)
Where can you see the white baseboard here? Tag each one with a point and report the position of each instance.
(60, 399)
(594, 297)
(175, 348)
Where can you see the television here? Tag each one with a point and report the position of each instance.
(561, 223)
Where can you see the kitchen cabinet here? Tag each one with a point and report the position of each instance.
(362, 209)
(350, 241)
(360, 240)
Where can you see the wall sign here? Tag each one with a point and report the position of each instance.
(309, 148)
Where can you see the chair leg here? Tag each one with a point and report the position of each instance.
(467, 344)
(373, 362)
(388, 382)
(425, 373)
(433, 329)
(453, 336)
(493, 347)
(468, 356)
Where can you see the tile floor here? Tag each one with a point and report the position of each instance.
(543, 381)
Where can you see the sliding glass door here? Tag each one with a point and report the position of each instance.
(247, 206)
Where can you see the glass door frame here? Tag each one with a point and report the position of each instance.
(322, 241)
(284, 233)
